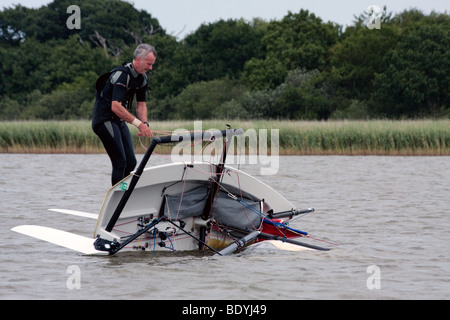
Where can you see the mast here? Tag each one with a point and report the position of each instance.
(215, 185)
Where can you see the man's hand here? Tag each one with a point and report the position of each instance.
(123, 113)
(141, 111)
(144, 131)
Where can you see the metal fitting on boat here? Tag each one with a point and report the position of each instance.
(202, 223)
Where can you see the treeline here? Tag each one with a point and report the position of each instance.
(299, 67)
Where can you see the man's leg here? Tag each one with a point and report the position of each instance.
(128, 147)
(111, 137)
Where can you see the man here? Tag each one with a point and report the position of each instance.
(112, 110)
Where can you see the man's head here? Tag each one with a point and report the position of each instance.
(144, 58)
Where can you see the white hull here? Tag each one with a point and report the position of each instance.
(146, 204)
(147, 198)
(183, 206)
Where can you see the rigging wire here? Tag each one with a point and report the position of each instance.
(214, 179)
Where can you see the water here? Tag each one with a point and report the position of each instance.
(386, 212)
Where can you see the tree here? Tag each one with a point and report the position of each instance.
(115, 21)
(359, 57)
(416, 81)
(22, 68)
(261, 74)
(297, 67)
(302, 95)
(199, 100)
(299, 40)
(221, 49)
(34, 65)
(12, 24)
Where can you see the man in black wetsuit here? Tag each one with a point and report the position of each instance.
(112, 110)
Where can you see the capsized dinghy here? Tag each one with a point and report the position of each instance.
(186, 206)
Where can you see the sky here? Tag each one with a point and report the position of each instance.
(181, 17)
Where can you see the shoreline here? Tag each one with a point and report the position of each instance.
(282, 152)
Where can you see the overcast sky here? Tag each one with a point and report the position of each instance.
(181, 17)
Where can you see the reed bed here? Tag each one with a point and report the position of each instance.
(48, 137)
(412, 138)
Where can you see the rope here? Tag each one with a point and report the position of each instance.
(281, 226)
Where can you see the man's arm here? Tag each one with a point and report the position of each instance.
(123, 113)
(141, 111)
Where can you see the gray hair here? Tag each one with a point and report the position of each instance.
(143, 50)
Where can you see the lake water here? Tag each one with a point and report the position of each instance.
(389, 215)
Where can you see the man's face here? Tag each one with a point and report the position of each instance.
(143, 65)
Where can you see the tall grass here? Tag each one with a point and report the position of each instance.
(367, 137)
(420, 137)
(48, 137)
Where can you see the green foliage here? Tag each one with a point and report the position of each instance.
(302, 95)
(297, 41)
(221, 49)
(300, 40)
(199, 100)
(118, 22)
(299, 67)
(358, 57)
(416, 82)
(264, 74)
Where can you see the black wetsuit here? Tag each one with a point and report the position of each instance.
(123, 83)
